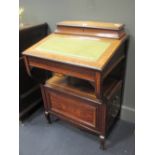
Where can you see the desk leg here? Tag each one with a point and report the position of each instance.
(47, 115)
(102, 124)
(102, 142)
(27, 66)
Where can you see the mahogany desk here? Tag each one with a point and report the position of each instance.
(92, 51)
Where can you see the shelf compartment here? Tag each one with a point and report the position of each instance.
(83, 87)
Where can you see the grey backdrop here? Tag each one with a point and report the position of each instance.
(123, 11)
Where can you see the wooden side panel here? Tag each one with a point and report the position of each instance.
(113, 109)
(73, 108)
(114, 61)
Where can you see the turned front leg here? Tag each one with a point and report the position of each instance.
(102, 142)
(47, 115)
(103, 123)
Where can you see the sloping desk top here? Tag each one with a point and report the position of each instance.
(89, 52)
(82, 52)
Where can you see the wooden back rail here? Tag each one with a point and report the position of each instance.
(90, 28)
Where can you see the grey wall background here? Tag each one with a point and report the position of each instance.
(123, 11)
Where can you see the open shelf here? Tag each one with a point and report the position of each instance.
(83, 87)
(70, 84)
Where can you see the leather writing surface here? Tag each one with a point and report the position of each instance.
(78, 47)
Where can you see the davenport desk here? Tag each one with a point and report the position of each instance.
(88, 59)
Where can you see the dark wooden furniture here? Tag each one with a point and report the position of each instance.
(89, 61)
(29, 91)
